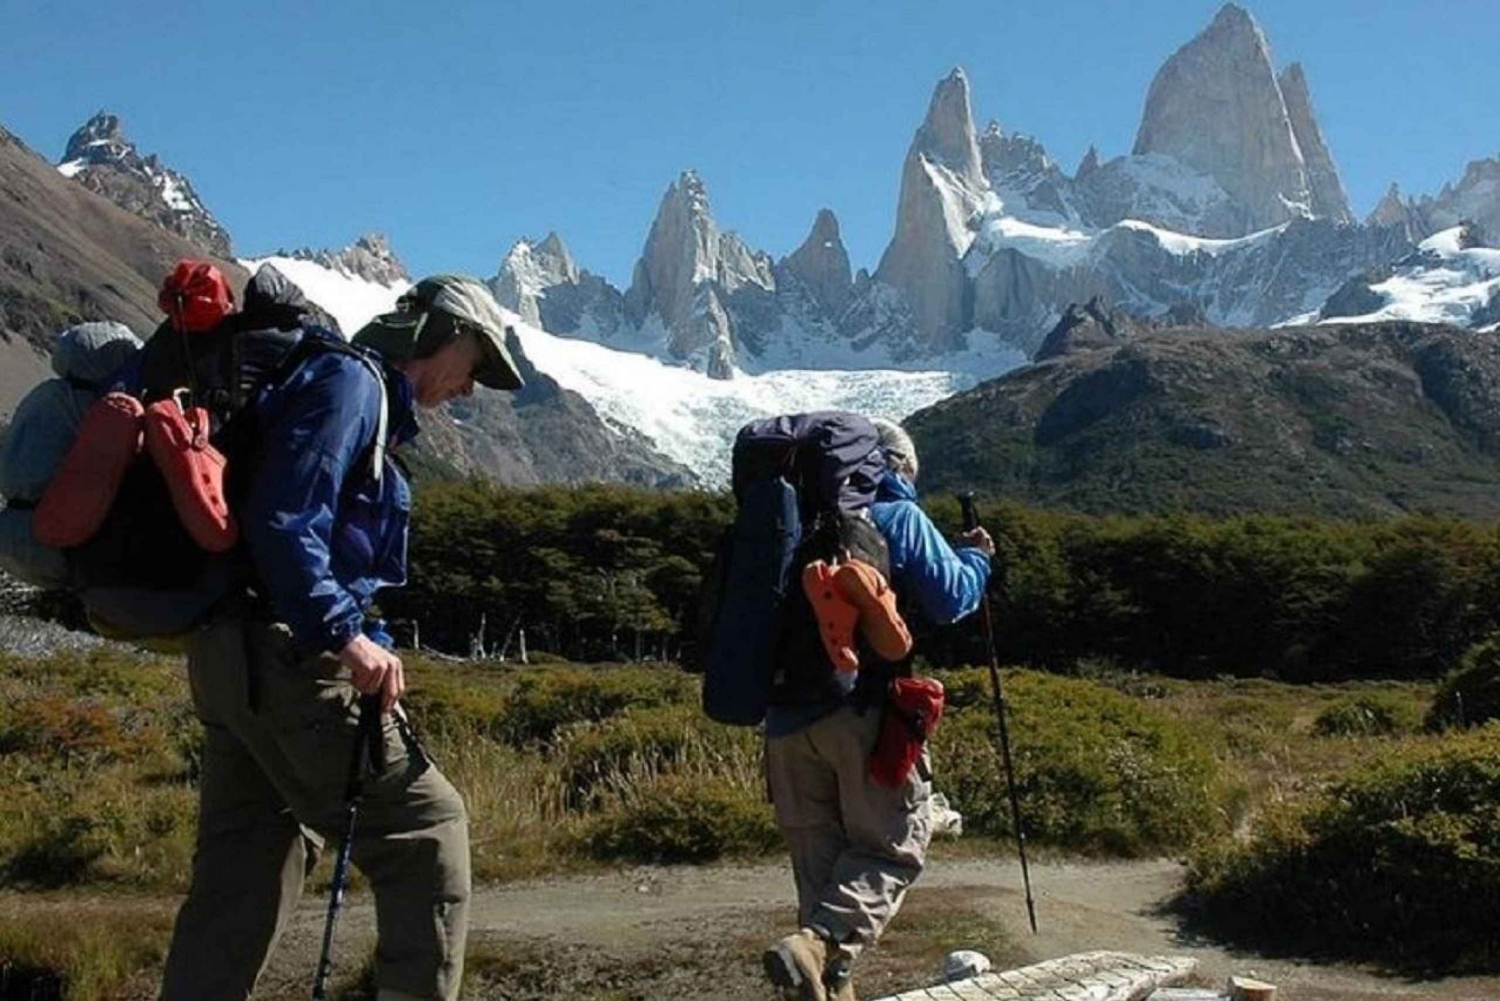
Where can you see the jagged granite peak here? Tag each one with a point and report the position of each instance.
(822, 264)
(102, 159)
(1215, 106)
(1475, 198)
(529, 271)
(1088, 164)
(684, 252)
(946, 135)
(370, 257)
(943, 190)
(1030, 184)
(1329, 199)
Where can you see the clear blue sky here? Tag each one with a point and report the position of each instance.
(457, 128)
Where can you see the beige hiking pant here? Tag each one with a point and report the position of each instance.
(279, 736)
(856, 845)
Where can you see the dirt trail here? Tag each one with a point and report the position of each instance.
(696, 932)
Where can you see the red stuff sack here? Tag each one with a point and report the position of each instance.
(194, 473)
(912, 712)
(196, 297)
(81, 492)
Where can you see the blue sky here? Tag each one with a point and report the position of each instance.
(457, 128)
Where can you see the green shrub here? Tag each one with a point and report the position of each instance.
(1095, 770)
(1470, 696)
(1370, 714)
(85, 952)
(546, 700)
(1399, 863)
(653, 739)
(685, 818)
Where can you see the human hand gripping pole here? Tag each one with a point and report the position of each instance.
(366, 749)
(971, 527)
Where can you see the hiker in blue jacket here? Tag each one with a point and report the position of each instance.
(277, 678)
(857, 845)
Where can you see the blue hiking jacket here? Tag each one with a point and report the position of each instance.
(323, 536)
(946, 583)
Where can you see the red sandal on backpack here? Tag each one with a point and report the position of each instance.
(81, 492)
(193, 469)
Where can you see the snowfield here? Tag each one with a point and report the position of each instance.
(352, 300)
(693, 419)
(690, 418)
(1443, 282)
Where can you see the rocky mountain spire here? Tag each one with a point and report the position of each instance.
(1328, 197)
(1215, 106)
(822, 264)
(1088, 164)
(370, 257)
(685, 269)
(528, 271)
(942, 189)
(102, 159)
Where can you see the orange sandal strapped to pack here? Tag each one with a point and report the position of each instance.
(836, 615)
(879, 622)
(81, 492)
(194, 472)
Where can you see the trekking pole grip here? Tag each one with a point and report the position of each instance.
(971, 513)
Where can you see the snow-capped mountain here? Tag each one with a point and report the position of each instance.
(1450, 278)
(1229, 205)
(101, 159)
(1474, 199)
(354, 284)
(684, 414)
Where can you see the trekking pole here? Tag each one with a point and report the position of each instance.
(971, 522)
(368, 730)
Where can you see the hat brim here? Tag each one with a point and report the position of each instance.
(496, 369)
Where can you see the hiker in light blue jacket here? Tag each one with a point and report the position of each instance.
(857, 845)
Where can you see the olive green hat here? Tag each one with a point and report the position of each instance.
(434, 311)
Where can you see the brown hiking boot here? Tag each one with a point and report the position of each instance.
(843, 992)
(795, 964)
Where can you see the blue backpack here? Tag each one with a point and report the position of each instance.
(803, 485)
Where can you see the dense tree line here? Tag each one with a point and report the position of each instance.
(612, 572)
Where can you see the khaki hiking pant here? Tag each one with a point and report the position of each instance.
(279, 736)
(856, 845)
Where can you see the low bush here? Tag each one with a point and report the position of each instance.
(1470, 696)
(1371, 714)
(546, 700)
(685, 818)
(1096, 771)
(654, 739)
(81, 953)
(1398, 863)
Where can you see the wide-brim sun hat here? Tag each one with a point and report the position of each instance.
(433, 310)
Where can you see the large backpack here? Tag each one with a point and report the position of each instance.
(40, 433)
(803, 485)
(141, 574)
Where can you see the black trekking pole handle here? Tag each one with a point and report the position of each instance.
(971, 522)
(367, 731)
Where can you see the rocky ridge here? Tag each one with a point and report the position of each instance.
(102, 159)
(1241, 217)
(369, 258)
(1347, 420)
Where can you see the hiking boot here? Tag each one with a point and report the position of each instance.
(842, 991)
(796, 964)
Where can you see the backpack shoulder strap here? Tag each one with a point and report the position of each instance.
(316, 341)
